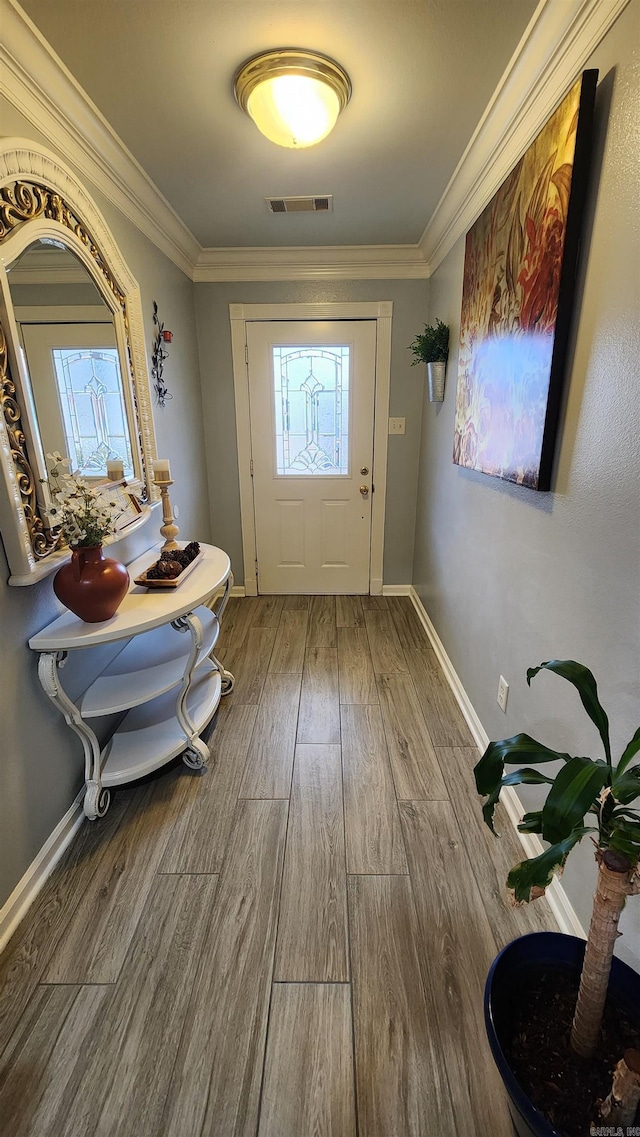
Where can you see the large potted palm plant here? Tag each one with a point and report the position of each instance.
(531, 980)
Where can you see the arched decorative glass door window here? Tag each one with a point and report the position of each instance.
(311, 404)
(93, 409)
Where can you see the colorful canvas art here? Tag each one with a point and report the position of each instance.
(519, 269)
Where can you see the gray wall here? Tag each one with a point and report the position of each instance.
(511, 577)
(41, 761)
(407, 384)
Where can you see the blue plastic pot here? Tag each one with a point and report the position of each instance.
(551, 950)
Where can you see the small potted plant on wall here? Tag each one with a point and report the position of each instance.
(563, 1018)
(432, 347)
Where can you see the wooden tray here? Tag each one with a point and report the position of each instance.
(177, 580)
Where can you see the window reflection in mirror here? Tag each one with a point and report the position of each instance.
(67, 335)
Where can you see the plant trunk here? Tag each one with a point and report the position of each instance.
(615, 883)
(619, 1108)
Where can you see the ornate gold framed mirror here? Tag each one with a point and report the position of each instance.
(73, 369)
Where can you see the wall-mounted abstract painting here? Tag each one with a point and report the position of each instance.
(517, 299)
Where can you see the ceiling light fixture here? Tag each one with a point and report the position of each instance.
(293, 96)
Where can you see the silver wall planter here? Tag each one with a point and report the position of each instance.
(436, 372)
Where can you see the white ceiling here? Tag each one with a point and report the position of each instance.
(161, 72)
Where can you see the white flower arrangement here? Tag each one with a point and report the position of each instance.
(84, 515)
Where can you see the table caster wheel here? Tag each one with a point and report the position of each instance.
(228, 683)
(196, 756)
(96, 801)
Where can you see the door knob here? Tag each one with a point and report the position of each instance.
(364, 470)
(364, 490)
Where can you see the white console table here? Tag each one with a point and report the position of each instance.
(165, 677)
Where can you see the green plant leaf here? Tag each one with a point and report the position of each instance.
(488, 771)
(587, 689)
(625, 837)
(432, 345)
(525, 776)
(632, 749)
(538, 871)
(575, 788)
(531, 822)
(629, 829)
(627, 788)
(622, 811)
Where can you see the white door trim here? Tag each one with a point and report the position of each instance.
(380, 311)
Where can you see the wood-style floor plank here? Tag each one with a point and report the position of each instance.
(288, 649)
(199, 837)
(121, 1081)
(308, 1081)
(267, 612)
(386, 651)
(443, 716)
(407, 623)
(322, 622)
(296, 603)
(27, 954)
(216, 1080)
(95, 942)
(357, 679)
(267, 772)
(375, 603)
(491, 857)
(349, 612)
(312, 929)
(372, 825)
(248, 662)
(455, 948)
(319, 718)
(40, 1065)
(401, 1083)
(236, 621)
(416, 772)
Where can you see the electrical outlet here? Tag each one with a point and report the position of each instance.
(503, 693)
(397, 425)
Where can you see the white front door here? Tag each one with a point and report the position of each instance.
(311, 391)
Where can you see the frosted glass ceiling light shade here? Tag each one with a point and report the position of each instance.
(294, 97)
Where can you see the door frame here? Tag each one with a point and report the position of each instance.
(240, 314)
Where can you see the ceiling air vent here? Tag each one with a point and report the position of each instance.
(322, 204)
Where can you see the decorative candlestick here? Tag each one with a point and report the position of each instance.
(162, 479)
(168, 528)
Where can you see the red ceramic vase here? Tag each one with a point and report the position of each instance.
(91, 585)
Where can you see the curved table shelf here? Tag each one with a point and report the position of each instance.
(166, 677)
(150, 664)
(150, 735)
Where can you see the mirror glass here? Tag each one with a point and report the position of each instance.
(68, 340)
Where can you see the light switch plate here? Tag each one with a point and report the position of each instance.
(397, 425)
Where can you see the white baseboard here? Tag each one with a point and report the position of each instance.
(563, 911)
(26, 890)
(238, 590)
(396, 589)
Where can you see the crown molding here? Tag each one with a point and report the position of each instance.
(555, 46)
(36, 82)
(557, 43)
(313, 262)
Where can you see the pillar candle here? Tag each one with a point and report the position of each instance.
(161, 470)
(115, 470)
